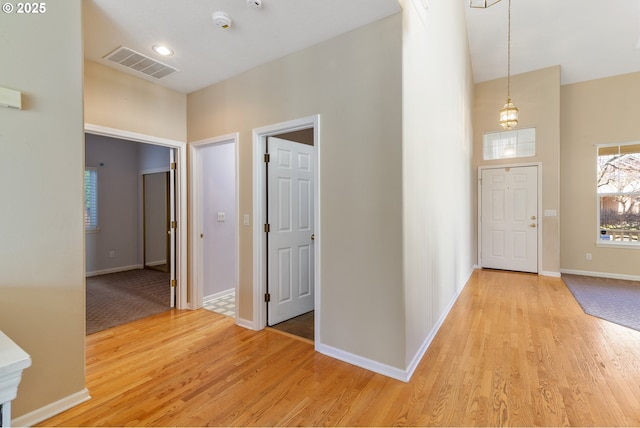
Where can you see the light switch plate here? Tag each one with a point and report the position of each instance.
(221, 216)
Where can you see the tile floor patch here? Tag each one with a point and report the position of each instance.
(225, 305)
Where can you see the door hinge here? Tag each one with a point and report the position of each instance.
(173, 283)
(267, 228)
(267, 158)
(267, 297)
(173, 166)
(174, 225)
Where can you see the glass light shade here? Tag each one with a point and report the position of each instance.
(482, 3)
(509, 115)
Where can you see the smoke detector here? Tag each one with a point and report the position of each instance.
(222, 20)
(255, 3)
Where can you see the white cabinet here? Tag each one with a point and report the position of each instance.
(12, 361)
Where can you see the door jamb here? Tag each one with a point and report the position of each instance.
(195, 160)
(181, 196)
(259, 214)
(539, 214)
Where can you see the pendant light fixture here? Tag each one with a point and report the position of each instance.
(509, 113)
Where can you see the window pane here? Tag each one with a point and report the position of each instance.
(618, 190)
(619, 169)
(509, 144)
(620, 218)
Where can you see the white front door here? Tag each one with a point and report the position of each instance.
(290, 217)
(509, 222)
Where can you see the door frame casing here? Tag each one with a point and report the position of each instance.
(259, 215)
(196, 204)
(539, 205)
(181, 196)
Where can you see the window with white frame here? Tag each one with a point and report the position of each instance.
(90, 198)
(518, 143)
(618, 190)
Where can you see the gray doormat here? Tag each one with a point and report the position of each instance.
(614, 300)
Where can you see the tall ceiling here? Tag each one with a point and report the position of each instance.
(589, 39)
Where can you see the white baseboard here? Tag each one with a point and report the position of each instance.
(427, 342)
(601, 274)
(51, 410)
(157, 263)
(365, 363)
(386, 370)
(219, 295)
(553, 274)
(114, 270)
(245, 323)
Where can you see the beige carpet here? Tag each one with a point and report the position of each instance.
(122, 297)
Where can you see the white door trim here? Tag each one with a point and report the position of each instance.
(259, 215)
(539, 214)
(181, 195)
(196, 204)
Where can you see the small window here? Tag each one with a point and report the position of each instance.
(618, 191)
(90, 198)
(518, 143)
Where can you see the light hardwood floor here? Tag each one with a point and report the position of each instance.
(515, 350)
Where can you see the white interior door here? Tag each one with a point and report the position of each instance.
(290, 217)
(509, 223)
(172, 225)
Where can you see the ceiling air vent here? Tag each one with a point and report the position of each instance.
(141, 63)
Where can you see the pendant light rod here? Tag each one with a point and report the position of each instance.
(509, 50)
(509, 113)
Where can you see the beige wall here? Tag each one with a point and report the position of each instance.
(354, 83)
(537, 95)
(602, 111)
(41, 225)
(117, 100)
(439, 230)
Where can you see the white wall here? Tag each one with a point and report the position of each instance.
(41, 188)
(153, 158)
(354, 83)
(118, 100)
(537, 95)
(219, 196)
(438, 186)
(119, 164)
(118, 205)
(600, 111)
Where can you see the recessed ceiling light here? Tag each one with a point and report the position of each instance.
(162, 50)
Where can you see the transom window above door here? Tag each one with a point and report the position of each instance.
(518, 143)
